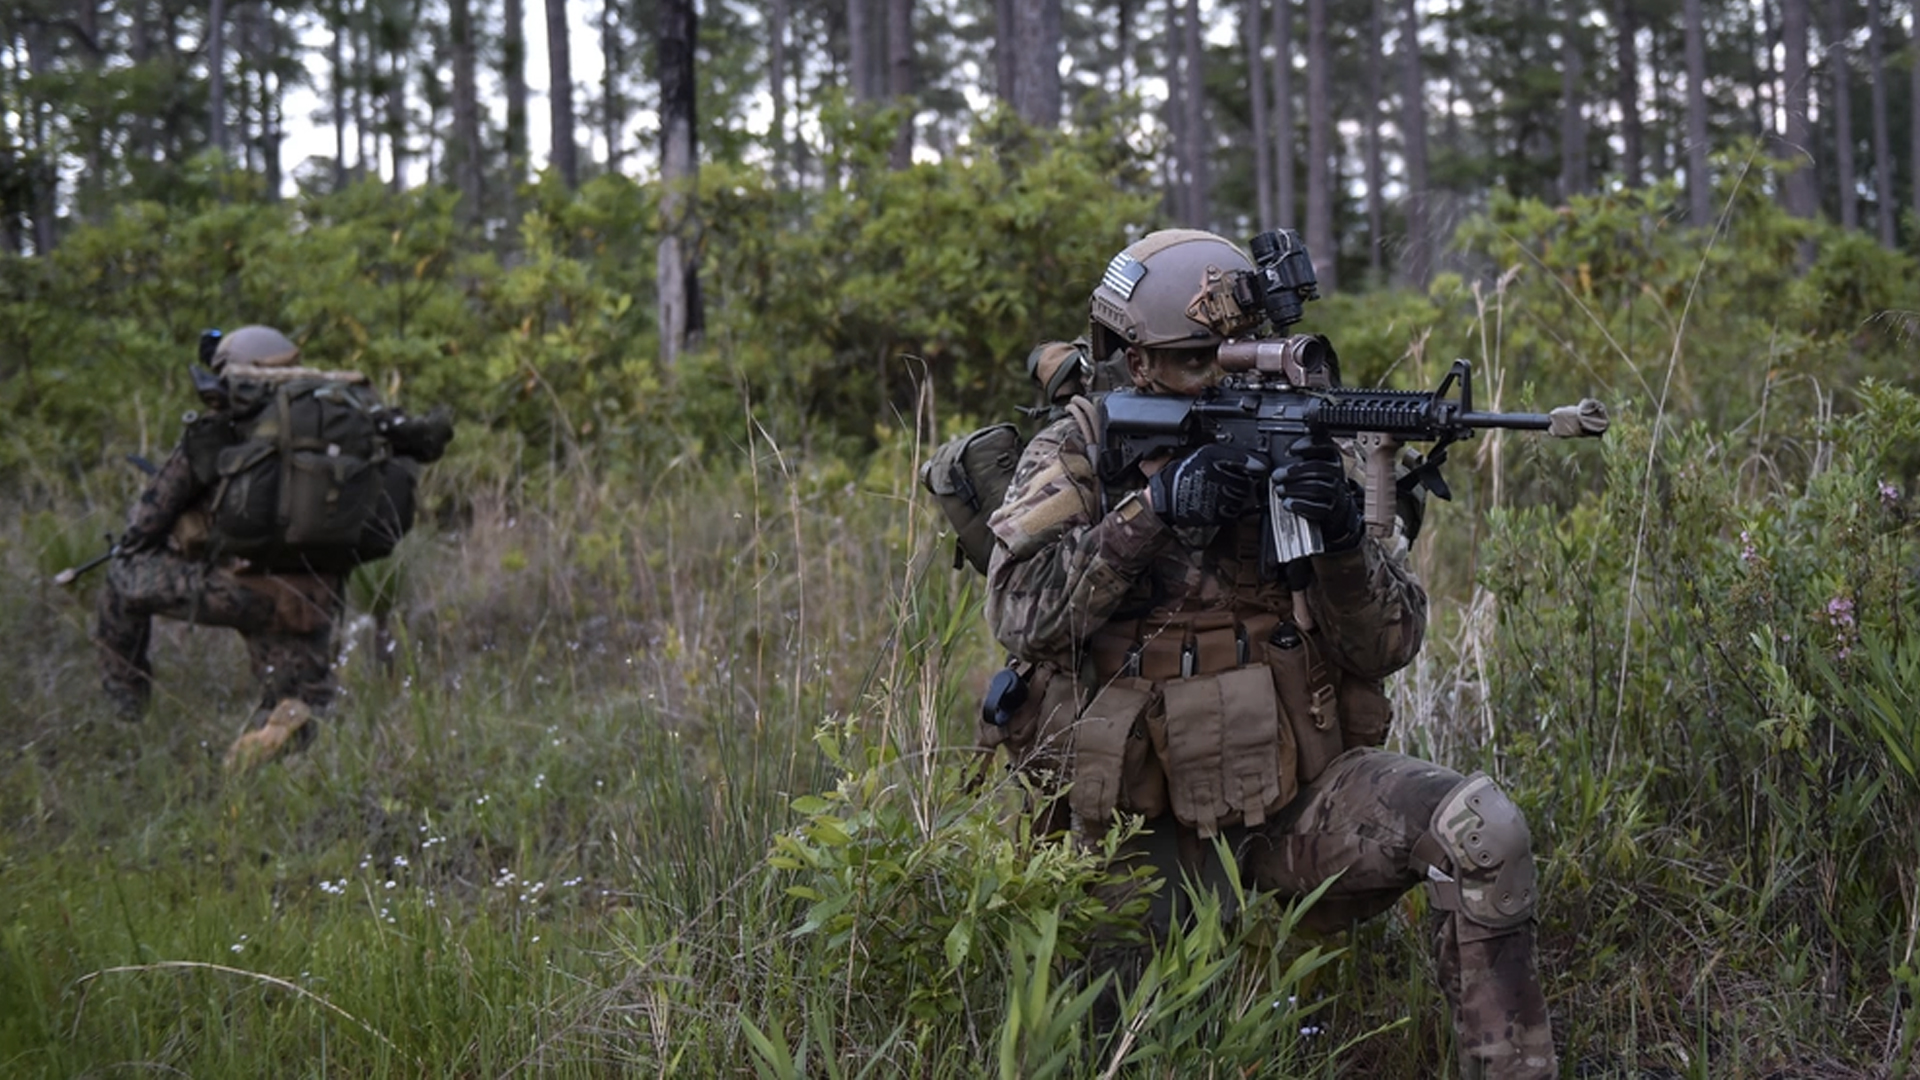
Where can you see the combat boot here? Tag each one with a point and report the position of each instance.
(289, 727)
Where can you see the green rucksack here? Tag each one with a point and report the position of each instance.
(969, 474)
(968, 477)
(311, 481)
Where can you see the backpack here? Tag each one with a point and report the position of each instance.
(311, 481)
(969, 474)
(968, 477)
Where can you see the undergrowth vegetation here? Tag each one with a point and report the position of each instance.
(652, 753)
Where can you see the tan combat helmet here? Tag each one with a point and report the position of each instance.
(1144, 296)
(255, 347)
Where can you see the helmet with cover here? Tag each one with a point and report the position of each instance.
(254, 346)
(1147, 296)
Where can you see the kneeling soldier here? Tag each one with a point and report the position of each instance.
(223, 534)
(1170, 677)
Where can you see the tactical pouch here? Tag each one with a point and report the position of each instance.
(1365, 712)
(246, 510)
(968, 477)
(1109, 735)
(1220, 740)
(1308, 698)
(326, 498)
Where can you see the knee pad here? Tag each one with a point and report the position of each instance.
(1479, 856)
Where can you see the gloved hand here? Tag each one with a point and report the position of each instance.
(1313, 484)
(1211, 486)
(423, 438)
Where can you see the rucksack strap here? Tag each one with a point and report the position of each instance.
(1086, 413)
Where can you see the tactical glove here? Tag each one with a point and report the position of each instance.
(1211, 486)
(1313, 484)
(422, 438)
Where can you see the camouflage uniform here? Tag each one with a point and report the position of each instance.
(1072, 582)
(287, 619)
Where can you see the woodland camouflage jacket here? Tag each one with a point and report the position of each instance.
(1061, 570)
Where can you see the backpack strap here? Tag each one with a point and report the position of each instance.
(283, 418)
(1086, 413)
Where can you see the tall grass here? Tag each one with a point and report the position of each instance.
(535, 832)
(664, 774)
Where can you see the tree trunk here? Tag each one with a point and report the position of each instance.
(337, 94)
(860, 49)
(1320, 239)
(13, 137)
(1261, 136)
(1629, 92)
(613, 104)
(1036, 72)
(1194, 121)
(465, 148)
(272, 95)
(12, 235)
(1284, 203)
(397, 115)
(565, 155)
(93, 185)
(217, 77)
(1006, 52)
(777, 17)
(1699, 184)
(245, 112)
(1573, 107)
(513, 76)
(1882, 141)
(1664, 133)
(139, 51)
(365, 70)
(43, 178)
(1840, 80)
(1802, 195)
(1418, 264)
(1913, 120)
(1376, 209)
(900, 77)
(1766, 95)
(680, 315)
(1179, 191)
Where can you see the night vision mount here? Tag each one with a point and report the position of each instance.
(1275, 291)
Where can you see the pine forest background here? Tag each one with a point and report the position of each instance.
(650, 757)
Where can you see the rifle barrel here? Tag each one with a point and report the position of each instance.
(1513, 421)
(74, 573)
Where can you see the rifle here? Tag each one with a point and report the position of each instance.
(1278, 389)
(73, 573)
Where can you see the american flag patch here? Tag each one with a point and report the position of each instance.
(1123, 273)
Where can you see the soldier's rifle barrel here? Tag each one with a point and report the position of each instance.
(73, 573)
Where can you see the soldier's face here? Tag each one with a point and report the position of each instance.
(1185, 372)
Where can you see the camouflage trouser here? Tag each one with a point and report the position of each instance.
(1361, 819)
(286, 619)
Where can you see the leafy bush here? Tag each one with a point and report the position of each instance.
(1701, 684)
